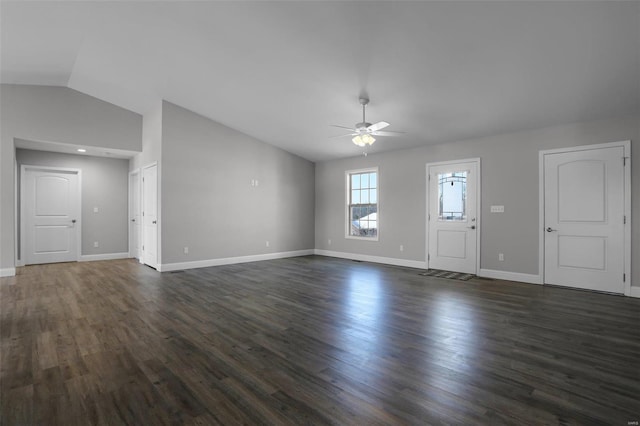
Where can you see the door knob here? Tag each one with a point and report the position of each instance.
(73, 221)
(471, 227)
(133, 220)
(154, 222)
(549, 229)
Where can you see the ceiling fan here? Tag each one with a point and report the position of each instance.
(363, 133)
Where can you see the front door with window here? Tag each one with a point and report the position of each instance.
(452, 220)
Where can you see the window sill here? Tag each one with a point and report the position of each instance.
(351, 237)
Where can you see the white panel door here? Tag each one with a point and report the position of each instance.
(150, 216)
(584, 219)
(452, 224)
(51, 214)
(135, 217)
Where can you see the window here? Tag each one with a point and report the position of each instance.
(452, 194)
(362, 204)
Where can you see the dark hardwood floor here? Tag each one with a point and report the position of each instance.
(309, 340)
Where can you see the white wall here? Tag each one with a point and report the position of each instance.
(208, 202)
(104, 185)
(53, 114)
(509, 178)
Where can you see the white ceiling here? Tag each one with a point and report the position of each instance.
(283, 71)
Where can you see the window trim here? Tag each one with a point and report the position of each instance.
(347, 189)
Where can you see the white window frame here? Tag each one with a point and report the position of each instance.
(347, 191)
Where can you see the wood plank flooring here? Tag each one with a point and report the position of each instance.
(309, 340)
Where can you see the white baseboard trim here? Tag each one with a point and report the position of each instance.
(510, 276)
(7, 272)
(375, 259)
(167, 267)
(634, 291)
(106, 256)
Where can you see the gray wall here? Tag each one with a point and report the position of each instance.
(509, 177)
(151, 139)
(104, 185)
(54, 114)
(208, 203)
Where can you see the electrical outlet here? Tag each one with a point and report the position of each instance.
(267, 243)
(96, 244)
(186, 250)
(501, 257)
(497, 209)
(329, 241)
(95, 210)
(401, 247)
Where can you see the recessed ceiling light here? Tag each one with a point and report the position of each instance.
(82, 150)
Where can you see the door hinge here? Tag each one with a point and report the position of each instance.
(624, 219)
(624, 161)
(429, 178)
(429, 216)
(429, 256)
(624, 278)
(142, 248)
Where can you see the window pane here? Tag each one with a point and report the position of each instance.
(373, 196)
(452, 193)
(355, 181)
(373, 180)
(355, 196)
(364, 180)
(364, 197)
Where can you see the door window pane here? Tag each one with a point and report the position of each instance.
(452, 195)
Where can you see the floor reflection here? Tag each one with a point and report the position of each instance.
(452, 323)
(363, 315)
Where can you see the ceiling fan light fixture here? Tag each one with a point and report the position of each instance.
(363, 140)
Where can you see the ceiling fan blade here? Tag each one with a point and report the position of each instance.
(378, 126)
(388, 133)
(342, 127)
(342, 136)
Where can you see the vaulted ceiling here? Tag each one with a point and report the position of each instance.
(284, 71)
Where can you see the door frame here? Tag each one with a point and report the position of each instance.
(478, 205)
(138, 172)
(23, 170)
(626, 145)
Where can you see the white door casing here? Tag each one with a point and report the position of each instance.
(50, 214)
(135, 215)
(453, 238)
(150, 215)
(584, 218)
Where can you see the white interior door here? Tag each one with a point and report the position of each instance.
(452, 216)
(135, 216)
(584, 219)
(51, 215)
(150, 215)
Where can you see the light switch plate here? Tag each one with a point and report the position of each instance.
(497, 209)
